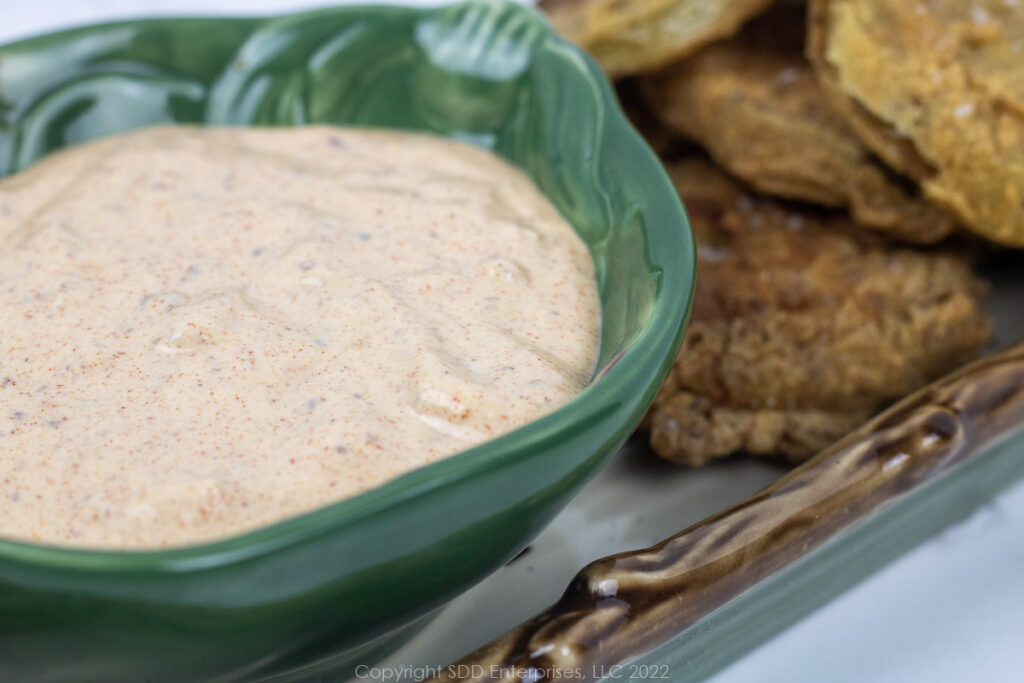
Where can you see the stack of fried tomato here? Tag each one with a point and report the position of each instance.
(846, 165)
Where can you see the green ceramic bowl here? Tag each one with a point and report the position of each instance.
(304, 595)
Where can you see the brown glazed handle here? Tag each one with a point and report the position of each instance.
(626, 604)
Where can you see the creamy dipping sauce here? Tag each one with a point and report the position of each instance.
(208, 330)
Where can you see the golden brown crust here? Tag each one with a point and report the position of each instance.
(692, 429)
(635, 36)
(801, 316)
(754, 103)
(937, 90)
(895, 149)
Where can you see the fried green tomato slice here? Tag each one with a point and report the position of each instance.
(635, 36)
(935, 88)
(803, 325)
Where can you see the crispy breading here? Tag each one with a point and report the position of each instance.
(643, 35)
(693, 430)
(753, 102)
(803, 324)
(936, 88)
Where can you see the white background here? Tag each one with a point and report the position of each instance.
(952, 610)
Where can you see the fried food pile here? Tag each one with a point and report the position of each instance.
(833, 199)
(803, 324)
(754, 103)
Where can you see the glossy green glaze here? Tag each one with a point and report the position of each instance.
(307, 590)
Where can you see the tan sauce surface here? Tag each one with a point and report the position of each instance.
(205, 331)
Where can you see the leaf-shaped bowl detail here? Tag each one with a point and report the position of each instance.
(304, 595)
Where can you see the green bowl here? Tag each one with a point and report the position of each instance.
(317, 592)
